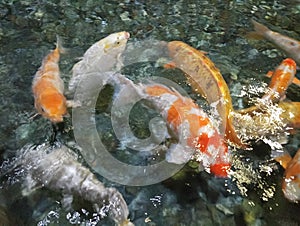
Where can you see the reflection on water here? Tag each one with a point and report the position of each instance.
(28, 31)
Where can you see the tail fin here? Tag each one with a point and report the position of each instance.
(59, 45)
(259, 31)
(259, 28)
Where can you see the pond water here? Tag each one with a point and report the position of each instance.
(28, 32)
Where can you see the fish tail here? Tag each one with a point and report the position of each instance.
(259, 28)
(59, 45)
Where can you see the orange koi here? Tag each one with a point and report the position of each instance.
(48, 87)
(290, 46)
(193, 128)
(291, 180)
(290, 113)
(206, 79)
(283, 76)
(296, 81)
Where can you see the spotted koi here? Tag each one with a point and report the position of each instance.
(193, 128)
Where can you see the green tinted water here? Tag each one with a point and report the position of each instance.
(28, 31)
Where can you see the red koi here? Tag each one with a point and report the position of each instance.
(185, 117)
(206, 79)
(48, 87)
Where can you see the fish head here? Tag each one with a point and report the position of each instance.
(52, 106)
(291, 63)
(115, 41)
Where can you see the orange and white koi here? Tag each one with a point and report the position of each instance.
(197, 136)
(48, 87)
(281, 79)
(192, 127)
(290, 46)
(206, 79)
(102, 56)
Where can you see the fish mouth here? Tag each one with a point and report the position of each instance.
(56, 118)
(126, 35)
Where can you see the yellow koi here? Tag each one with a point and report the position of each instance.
(206, 79)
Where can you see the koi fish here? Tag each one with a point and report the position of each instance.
(102, 56)
(276, 120)
(290, 46)
(296, 81)
(48, 87)
(290, 113)
(291, 179)
(58, 169)
(197, 137)
(193, 128)
(281, 79)
(206, 79)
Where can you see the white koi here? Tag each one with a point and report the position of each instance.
(102, 56)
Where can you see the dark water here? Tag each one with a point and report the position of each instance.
(28, 31)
